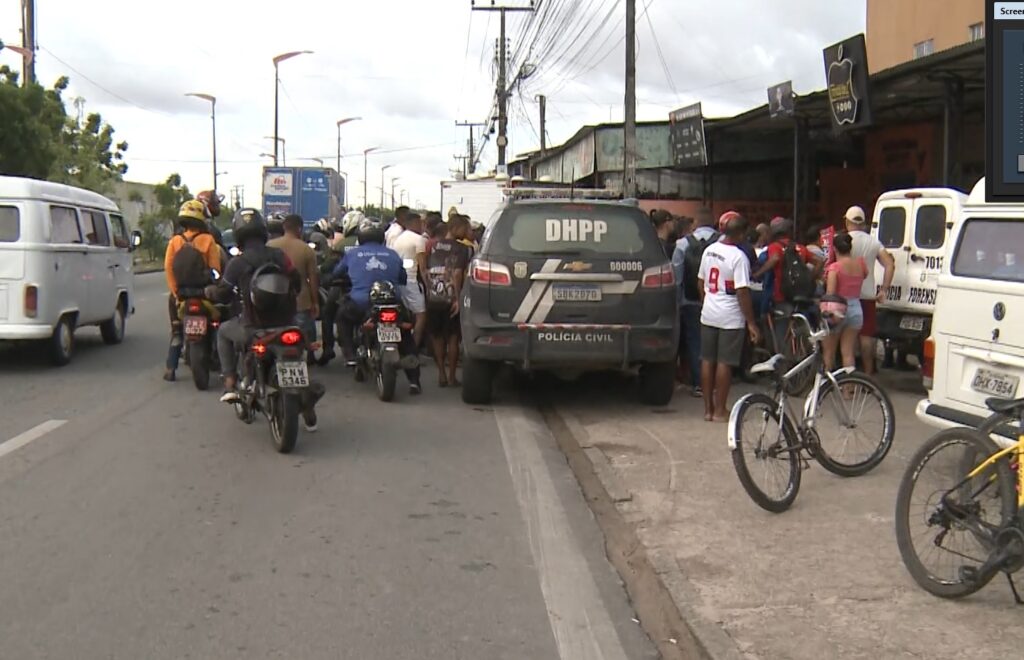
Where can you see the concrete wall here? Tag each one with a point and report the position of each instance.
(122, 194)
(894, 26)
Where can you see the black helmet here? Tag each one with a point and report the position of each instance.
(272, 295)
(371, 230)
(248, 224)
(275, 225)
(383, 293)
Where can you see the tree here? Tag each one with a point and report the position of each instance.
(33, 120)
(39, 140)
(158, 226)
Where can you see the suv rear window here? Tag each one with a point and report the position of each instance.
(892, 226)
(991, 250)
(10, 224)
(575, 229)
(930, 228)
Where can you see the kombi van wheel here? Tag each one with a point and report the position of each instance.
(477, 381)
(112, 330)
(657, 383)
(62, 342)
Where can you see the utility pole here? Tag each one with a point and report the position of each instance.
(629, 126)
(28, 40)
(465, 164)
(543, 122)
(502, 91)
(472, 151)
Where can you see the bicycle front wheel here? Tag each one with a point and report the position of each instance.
(945, 521)
(765, 452)
(855, 424)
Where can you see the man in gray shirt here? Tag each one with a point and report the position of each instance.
(685, 269)
(871, 250)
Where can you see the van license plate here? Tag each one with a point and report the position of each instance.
(994, 383)
(563, 293)
(915, 323)
(195, 326)
(292, 374)
(389, 334)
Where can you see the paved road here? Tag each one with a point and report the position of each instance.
(152, 524)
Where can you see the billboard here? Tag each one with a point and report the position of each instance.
(781, 102)
(846, 74)
(278, 182)
(687, 134)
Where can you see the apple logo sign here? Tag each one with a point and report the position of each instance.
(841, 96)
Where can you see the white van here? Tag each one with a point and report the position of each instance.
(914, 226)
(976, 349)
(65, 262)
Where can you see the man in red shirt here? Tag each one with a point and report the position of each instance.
(782, 234)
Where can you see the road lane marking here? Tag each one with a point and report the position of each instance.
(580, 622)
(34, 433)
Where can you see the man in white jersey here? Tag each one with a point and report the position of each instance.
(727, 316)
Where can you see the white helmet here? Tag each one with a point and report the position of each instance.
(323, 225)
(350, 223)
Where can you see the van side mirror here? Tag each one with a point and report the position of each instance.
(136, 239)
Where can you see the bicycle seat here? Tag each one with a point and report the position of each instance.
(768, 366)
(1005, 406)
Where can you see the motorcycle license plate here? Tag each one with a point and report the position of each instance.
(195, 326)
(292, 374)
(389, 334)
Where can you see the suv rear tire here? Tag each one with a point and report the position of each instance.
(477, 380)
(657, 383)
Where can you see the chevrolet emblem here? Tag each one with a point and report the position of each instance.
(577, 266)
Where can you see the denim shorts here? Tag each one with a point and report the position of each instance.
(854, 315)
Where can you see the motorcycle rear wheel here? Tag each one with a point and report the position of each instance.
(199, 363)
(284, 421)
(387, 377)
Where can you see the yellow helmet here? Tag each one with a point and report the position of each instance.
(193, 209)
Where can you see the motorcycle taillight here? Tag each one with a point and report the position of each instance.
(194, 307)
(388, 316)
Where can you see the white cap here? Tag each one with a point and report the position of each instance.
(855, 214)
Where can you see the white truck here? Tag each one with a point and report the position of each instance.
(480, 198)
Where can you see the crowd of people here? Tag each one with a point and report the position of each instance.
(739, 285)
(425, 257)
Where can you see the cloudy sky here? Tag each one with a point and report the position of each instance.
(409, 68)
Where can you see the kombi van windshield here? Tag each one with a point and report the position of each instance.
(991, 249)
(10, 224)
(579, 229)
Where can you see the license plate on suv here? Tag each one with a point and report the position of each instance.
(195, 325)
(995, 383)
(292, 374)
(576, 293)
(915, 323)
(389, 334)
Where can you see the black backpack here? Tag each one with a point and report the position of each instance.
(272, 296)
(797, 280)
(189, 266)
(691, 263)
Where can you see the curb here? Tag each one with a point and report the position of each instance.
(651, 575)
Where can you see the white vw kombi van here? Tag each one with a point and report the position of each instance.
(65, 262)
(976, 348)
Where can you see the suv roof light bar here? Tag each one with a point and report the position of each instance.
(561, 193)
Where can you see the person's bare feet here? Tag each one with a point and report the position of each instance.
(721, 416)
(708, 417)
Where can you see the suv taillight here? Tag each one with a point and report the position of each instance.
(489, 273)
(928, 367)
(658, 277)
(31, 301)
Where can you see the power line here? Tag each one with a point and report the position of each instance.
(323, 157)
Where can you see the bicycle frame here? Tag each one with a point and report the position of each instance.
(1018, 450)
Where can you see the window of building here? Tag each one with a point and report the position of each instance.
(976, 32)
(924, 48)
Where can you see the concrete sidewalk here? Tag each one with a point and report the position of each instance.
(823, 580)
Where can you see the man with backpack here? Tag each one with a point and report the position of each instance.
(236, 286)
(686, 264)
(792, 269)
(190, 257)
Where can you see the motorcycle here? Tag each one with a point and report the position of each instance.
(377, 355)
(275, 382)
(200, 319)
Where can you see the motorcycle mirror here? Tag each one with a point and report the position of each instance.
(216, 274)
(234, 251)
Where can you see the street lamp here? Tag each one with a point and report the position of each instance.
(340, 123)
(366, 171)
(213, 116)
(393, 179)
(403, 195)
(277, 84)
(382, 185)
(284, 148)
(266, 155)
(320, 161)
